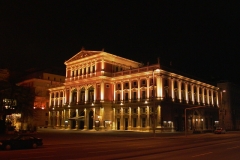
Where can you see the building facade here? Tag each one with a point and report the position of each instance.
(229, 106)
(103, 91)
(41, 81)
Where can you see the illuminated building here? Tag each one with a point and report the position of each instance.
(41, 81)
(105, 91)
(229, 111)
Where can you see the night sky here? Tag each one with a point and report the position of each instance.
(199, 38)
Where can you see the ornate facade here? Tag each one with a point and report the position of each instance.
(105, 91)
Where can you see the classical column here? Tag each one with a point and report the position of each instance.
(148, 118)
(171, 88)
(203, 96)
(217, 101)
(208, 96)
(54, 99)
(114, 119)
(57, 118)
(121, 119)
(192, 93)
(186, 92)
(86, 95)
(70, 95)
(138, 120)
(78, 95)
(130, 90)
(64, 118)
(64, 96)
(148, 88)
(138, 89)
(114, 91)
(179, 90)
(212, 96)
(76, 119)
(58, 99)
(102, 91)
(130, 119)
(159, 116)
(122, 91)
(159, 87)
(198, 99)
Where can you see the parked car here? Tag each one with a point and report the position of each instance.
(21, 142)
(220, 131)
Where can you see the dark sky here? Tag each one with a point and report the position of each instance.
(200, 38)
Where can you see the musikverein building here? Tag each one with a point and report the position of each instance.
(105, 91)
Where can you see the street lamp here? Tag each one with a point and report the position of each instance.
(154, 105)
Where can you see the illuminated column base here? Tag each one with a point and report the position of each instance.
(77, 123)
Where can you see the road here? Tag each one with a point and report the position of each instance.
(75, 145)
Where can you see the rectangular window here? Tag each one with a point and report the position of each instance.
(119, 87)
(144, 110)
(143, 94)
(93, 69)
(134, 95)
(134, 110)
(126, 110)
(80, 72)
(88, 70)
(134, 84)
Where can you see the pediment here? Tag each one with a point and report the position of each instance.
(82, 54)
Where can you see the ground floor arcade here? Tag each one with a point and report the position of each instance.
(168, 117)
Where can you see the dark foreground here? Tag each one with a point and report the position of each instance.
(64, 144)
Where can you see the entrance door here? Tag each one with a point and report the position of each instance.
(90, 120)
(126, 123)
(73, 124)
(118, 124)
(81, 124)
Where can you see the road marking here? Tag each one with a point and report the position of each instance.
(38, 152)
(33, 157)
(202, 154)
(105, 151)
(233, 147)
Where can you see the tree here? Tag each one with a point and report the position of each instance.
(22, 95)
